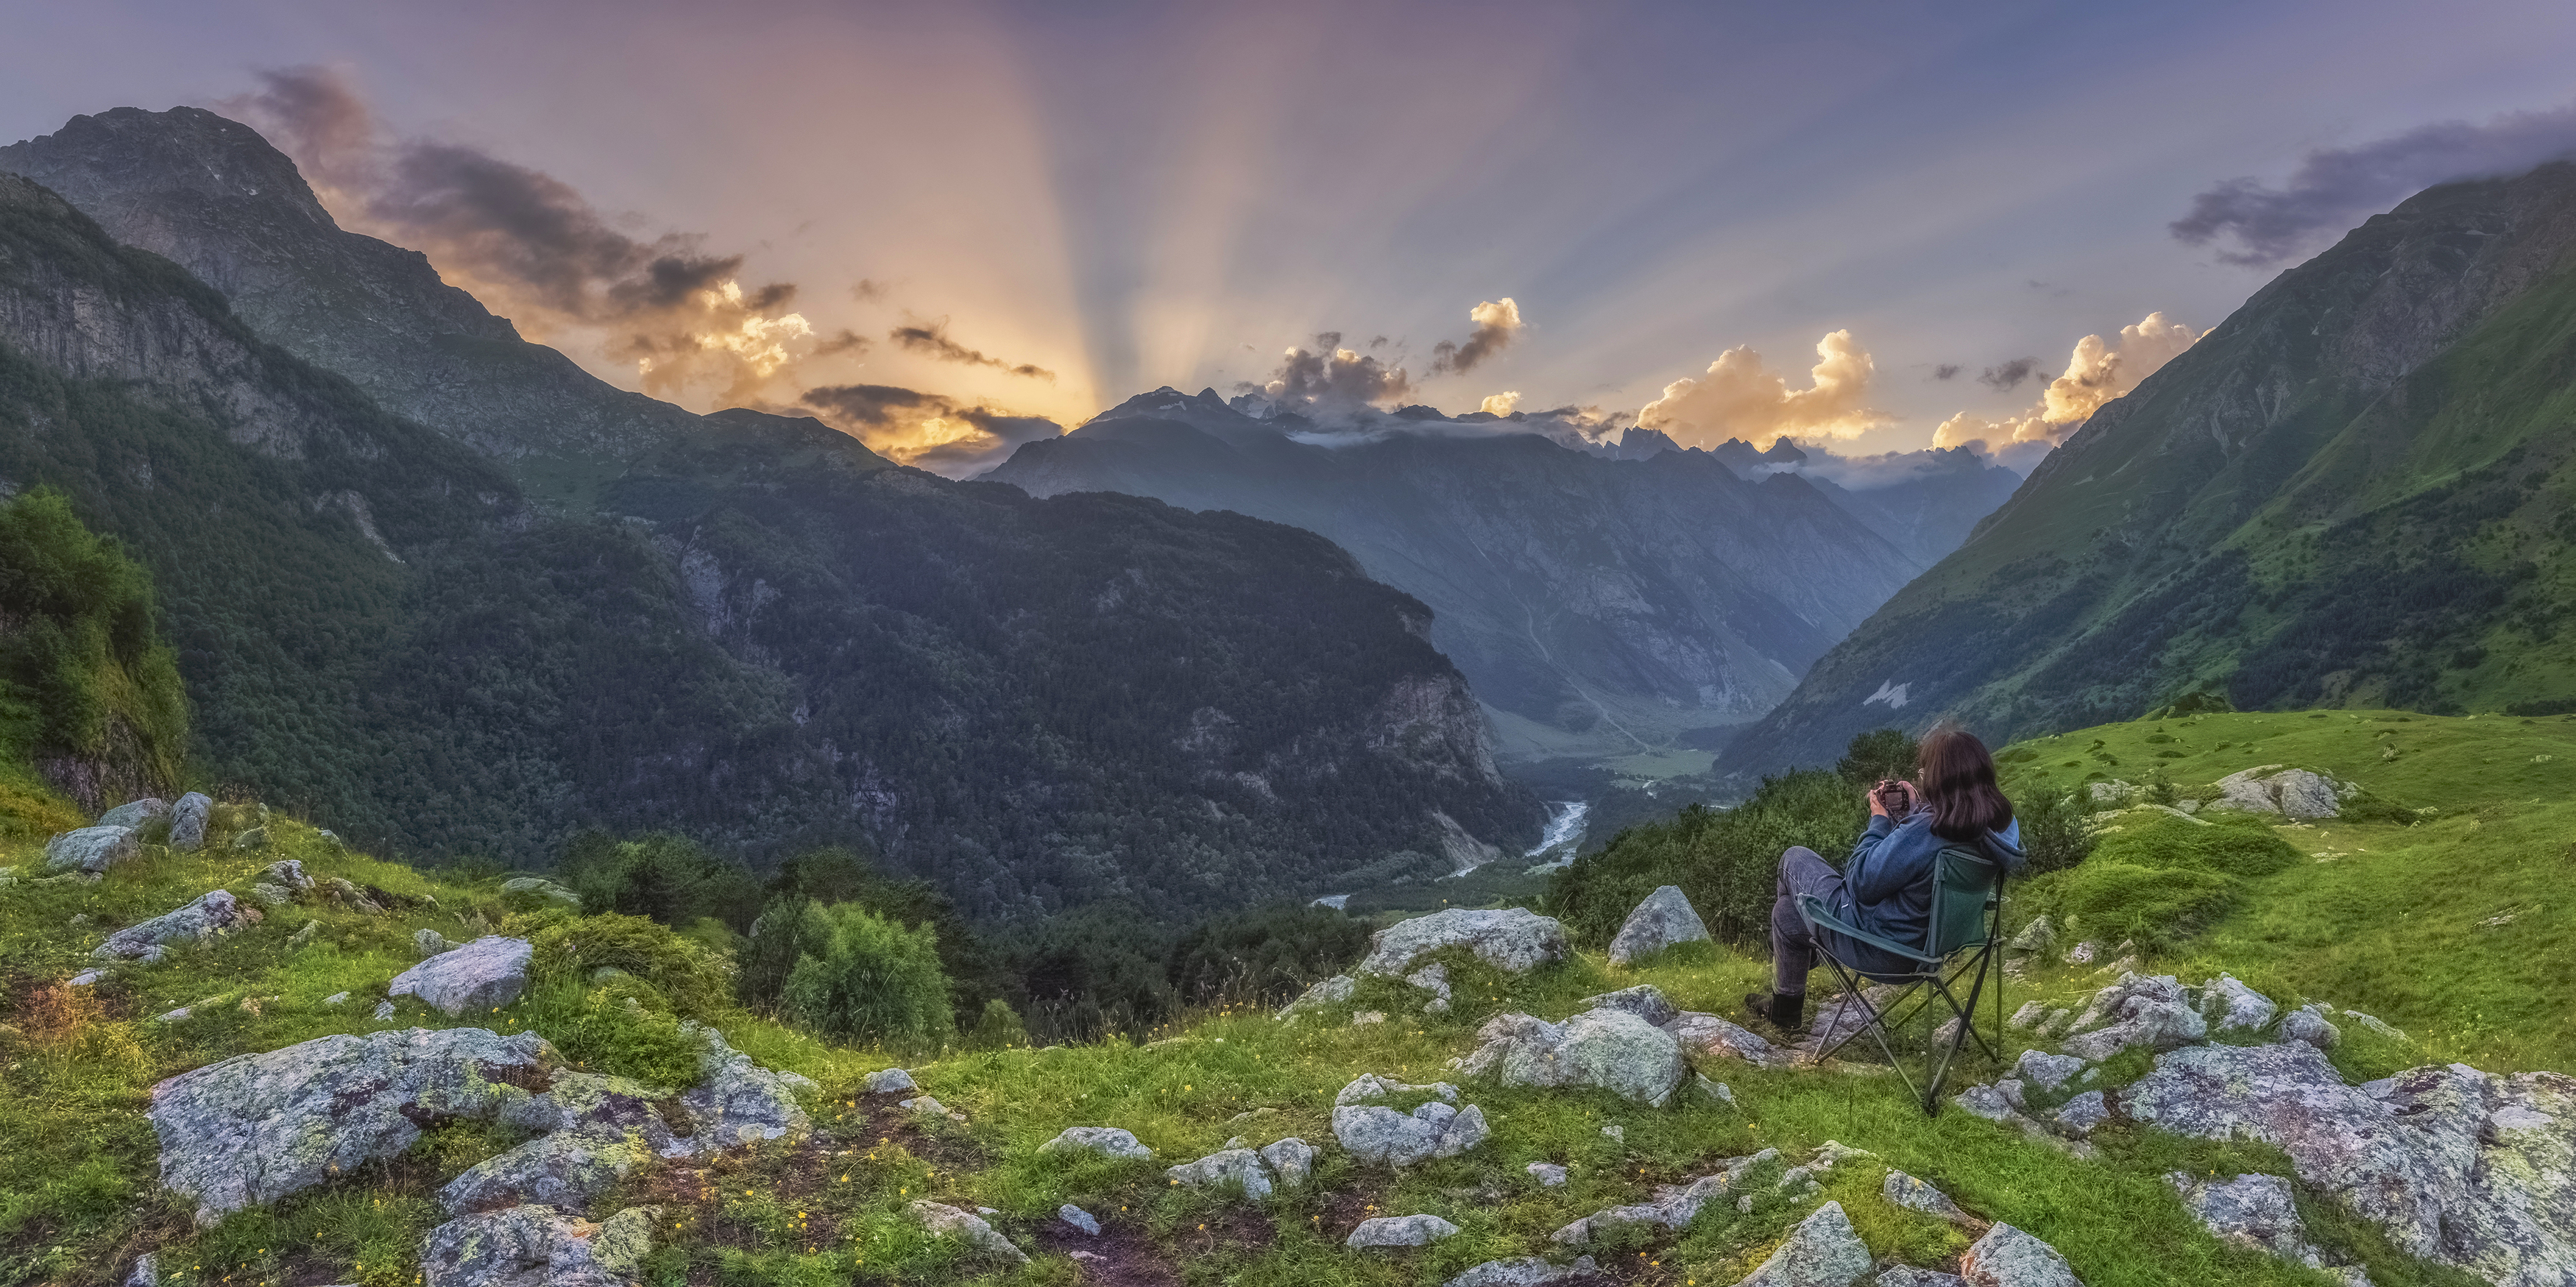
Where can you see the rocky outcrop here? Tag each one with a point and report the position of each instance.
(2296, 794)
(482, 975)
(2008, 1257)
(136, 813)
(1611, 1049)
(534, 1246)
(214, 912)
(1823, 1251)
(1513, 940)
(736, 1101)
(1382, 1136)
(2143, 1011)
(2256, 1211)
(1664, 918)
(91, 850)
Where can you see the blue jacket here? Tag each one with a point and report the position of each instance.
(1889, 877)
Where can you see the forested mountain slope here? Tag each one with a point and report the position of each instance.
(1603, 607)
(2356, 491)
(765, 636)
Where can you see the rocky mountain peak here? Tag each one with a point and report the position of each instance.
(184, 150)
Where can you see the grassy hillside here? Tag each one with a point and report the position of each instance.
(2397, 917)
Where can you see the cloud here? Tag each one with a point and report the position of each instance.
(1947, 371)
(1741, 397)
(531, 245)
(1498, 323)
(846, 341)
(1501, 404)
(1331, 378)
(2096, 372)
(2006, 377)
(2335, 189)
(932, 341)
(926, 430)
(867, 291)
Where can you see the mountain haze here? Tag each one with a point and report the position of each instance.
(2358, 490)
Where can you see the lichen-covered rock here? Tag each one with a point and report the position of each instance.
(1291, 1160)
(2230, 1006)
(1513, 940)
(541, 889)
(564, 1170)
(255, 1128)
(1434, 979)
(969, 1230)
(1662, 919)
(1523, 1271)
(1108, 1141)
(2255, 1211)
(1646, 1001)
(2309, 1024)
(482, 975)
(1612, 1049)
(1376, 1134)
(2047, 1071)
(2007, 1257)
(1330, 991)
(1915, 1195)
(1715, 1091)
(271, 896)
(533, 1246)
(2078, 1116)
(1548, 1174)
(1369, 1087)
(1400, 1231)
(2143, 1011)
(1710, 1037)
(427, 943)
(91, 850)
(1673, 1206)
(135, 813)
(2456, 1166)
(2038, 936)
(1079, 1219)
(2296, 794)
(188, 822)
(736, 1101)
(1823, 1251)
(889, 1081)
(214, 912)
(1238, 1169)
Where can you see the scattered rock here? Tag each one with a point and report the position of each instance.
(1673, 1206)
(147, 1271)
(929, 1106)
(1365, 1017)
(188, 822)
(2047, 1071)
(428, 943)
(2036, 937)
(736, 1101)
(255, 1128)
(890, 1081)
(1329, 992)
(215, 912)
(1711, 1037)
(1663, 919)
(2146, 1011)
(2296, 794)
(135, 813)
(485, 974)
(340, 893)
(541, 888)
(968, 1228)
(2112, 792)
(1382, 1135)
(1915, 1195)
(1715, 1090)
(1615, 1131)
(2251, 1210)
(174, 1015)
(1822, 1251)
(2083, 953)
(1239, 1169)
(87, 978)
(1548, 1174)
(529, 1245)
(2232, 1006)
(289, 874)
(91, 850)
(1291, 1160)
(1524, 1271)
(335, 998)
(1612, 1049)
(1513, 940)
(271, 896)
(1646, 1001)
(1400, 1231)
(1108, 1141)
(1079, 1219)
(2375, 1025)
(2078, 1116)
(2007, 1257)
(2309, 1024)
(384, 1011)
(1368, 1087)
(1434, 979)
(1834, 1153)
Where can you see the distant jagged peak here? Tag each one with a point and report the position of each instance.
(185, 149)
(1169, 402)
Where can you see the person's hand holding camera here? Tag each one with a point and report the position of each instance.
(1892, 798)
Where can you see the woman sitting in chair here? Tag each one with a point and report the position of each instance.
(1886, 888)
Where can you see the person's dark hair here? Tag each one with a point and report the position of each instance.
(1959, 785)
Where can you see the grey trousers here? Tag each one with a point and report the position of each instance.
(1793, 949)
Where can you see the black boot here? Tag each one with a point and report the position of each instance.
(1786, 1011)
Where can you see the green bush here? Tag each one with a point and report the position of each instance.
(1266, 956)
(1879, 754)
(998, 1027)
(570, 947)
(663, 877)
(2055, 834)
(868, 978)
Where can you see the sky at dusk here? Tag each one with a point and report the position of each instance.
(1037, 210)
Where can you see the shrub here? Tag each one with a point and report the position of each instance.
(2055, 835)
(664, 877)
(998, 1027)
(568, 947)
(84, 672)
(838, 875)
(1725, 860)
(1877, 755)
(1268, 955)
(868, 978)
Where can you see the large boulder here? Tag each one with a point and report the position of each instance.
(1374, 1133)
(188, 822)
(91, 850)
(485, 974)
(1663, 919)
(2296, 794)
(1513, 940)
(136, 813)
(980, 1239)
(2458, 1167)
(2254, 1211)
(1107, 1141)
(1673, 1206)
(2007, 1257)
(215, 912)
(1823, 1251)
(533, 1246)
(1612, 1049)
(255, 1128)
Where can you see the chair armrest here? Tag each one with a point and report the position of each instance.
(1818, 915)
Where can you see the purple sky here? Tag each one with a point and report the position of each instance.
(1134, 195)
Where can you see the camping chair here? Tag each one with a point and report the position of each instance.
(1967, 928)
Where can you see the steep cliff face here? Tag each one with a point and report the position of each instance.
(759, 633)
(2350, 492)
(1603, 608)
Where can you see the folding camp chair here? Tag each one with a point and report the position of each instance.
(1967, 928)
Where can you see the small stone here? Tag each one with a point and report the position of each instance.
(1434, 979)
(174, 1016)
(1238, 1169)
(2083, 953)
(2047, 1071)
(1548, 1174)
(1108, 1141)
(1711, 1037)
(1663, 919)
(2038, 936)
(1615, 1131)
(2030, 1015)
(304, 935)
(1331, 991)
(384, 1011)
(1915, 1195)
(1713, 1090)
(1291, 1161)
(925, 1105)
(1234, 1142)
(2007, 1257)
(87, 978)
(2308, 1025)
(1646, 1001)
(2078, 1116)
(2232, 1006)
(428, 943)
(188, 822)
(335, 998)
(271, 896)
(1368, 1017)
(1400, 1231)
(889, 1081)
(288, 874)
(1524, 1271)
(1079, 1219)
(968, 1228)
(1823, 1251)
(147, 1271)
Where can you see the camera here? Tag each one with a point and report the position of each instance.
(1894, 796)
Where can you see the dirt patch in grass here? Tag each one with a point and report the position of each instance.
(1122, 1256)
